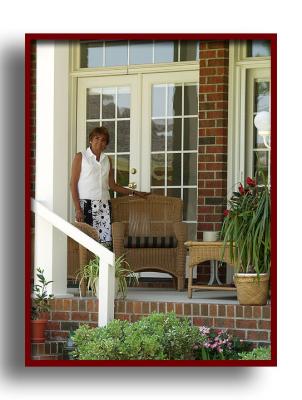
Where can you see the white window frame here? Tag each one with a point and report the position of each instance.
(239, 64)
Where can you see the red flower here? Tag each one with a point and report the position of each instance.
(251, 182)
(241, 189)
(226, 213)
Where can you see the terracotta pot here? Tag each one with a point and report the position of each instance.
(38, 327)
(251, 289)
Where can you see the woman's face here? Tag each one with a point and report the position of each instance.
(98, 143)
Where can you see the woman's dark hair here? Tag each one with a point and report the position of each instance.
(101, 130)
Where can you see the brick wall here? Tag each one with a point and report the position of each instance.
(249, 323)
(213, 122)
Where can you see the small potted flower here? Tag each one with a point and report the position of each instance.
(40, 308)
(247, 231)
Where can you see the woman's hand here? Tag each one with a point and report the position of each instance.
(79, 216)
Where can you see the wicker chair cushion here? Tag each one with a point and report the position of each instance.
(149, 242)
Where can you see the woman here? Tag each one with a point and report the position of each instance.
(91, 178)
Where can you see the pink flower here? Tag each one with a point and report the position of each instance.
(226, 213)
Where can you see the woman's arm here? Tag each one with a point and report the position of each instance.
(120, 189)
(75, 176)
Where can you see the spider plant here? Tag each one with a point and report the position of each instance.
(88, 275)
(247, 227)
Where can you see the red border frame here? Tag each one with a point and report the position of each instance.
(155, 36)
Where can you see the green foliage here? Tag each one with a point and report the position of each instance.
(40, 297)
(125, 276)
(259, 353)
(89, 274)
(156, 337)
(247, 226)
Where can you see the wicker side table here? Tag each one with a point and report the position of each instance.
(205, 251)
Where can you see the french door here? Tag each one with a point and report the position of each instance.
(153, 125)
(258, 86)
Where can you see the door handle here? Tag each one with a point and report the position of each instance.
(132, 185)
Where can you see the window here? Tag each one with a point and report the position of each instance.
(249, 93)
(94, 54)
(258, 48)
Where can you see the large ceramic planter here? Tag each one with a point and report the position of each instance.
(252, 289)
(38, 327)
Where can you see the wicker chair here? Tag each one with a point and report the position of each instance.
(151, 234)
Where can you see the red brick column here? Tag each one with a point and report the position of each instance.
(213, 122)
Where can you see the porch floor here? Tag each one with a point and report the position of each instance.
(171, 295)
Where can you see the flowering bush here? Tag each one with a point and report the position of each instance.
(246, 227)
(219, 345)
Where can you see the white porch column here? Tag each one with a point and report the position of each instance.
(52, 159)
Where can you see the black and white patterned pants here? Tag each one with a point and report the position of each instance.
(97, 213)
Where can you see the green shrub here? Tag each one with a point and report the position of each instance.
(156, 337)
(259, 353)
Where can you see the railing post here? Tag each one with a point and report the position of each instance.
(106, 292)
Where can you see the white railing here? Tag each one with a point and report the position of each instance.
(107, 259)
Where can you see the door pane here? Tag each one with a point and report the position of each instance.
(158, 101)
(190, 169)
(174, 169)
(122, 170)
(174, 104)
(190, 204)
(110, 125)
(116, 53)
(165, 52)
(261, 162)
(93, 104)
(108, 103)
(123, 136)
(158, 135)
(174, 134)
(190, 100)
(174, 192)
(192, 231)
(123, 102)
(262, 96)
(141, 52)
(158, 170)
(89, 127)
(159, 192)
(190, 133)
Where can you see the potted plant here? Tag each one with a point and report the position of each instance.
(88, 277)
(40, 308)
(246, 230)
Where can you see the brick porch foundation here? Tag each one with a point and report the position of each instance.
(249, 323)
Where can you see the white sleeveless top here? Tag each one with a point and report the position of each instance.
(93, 183)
